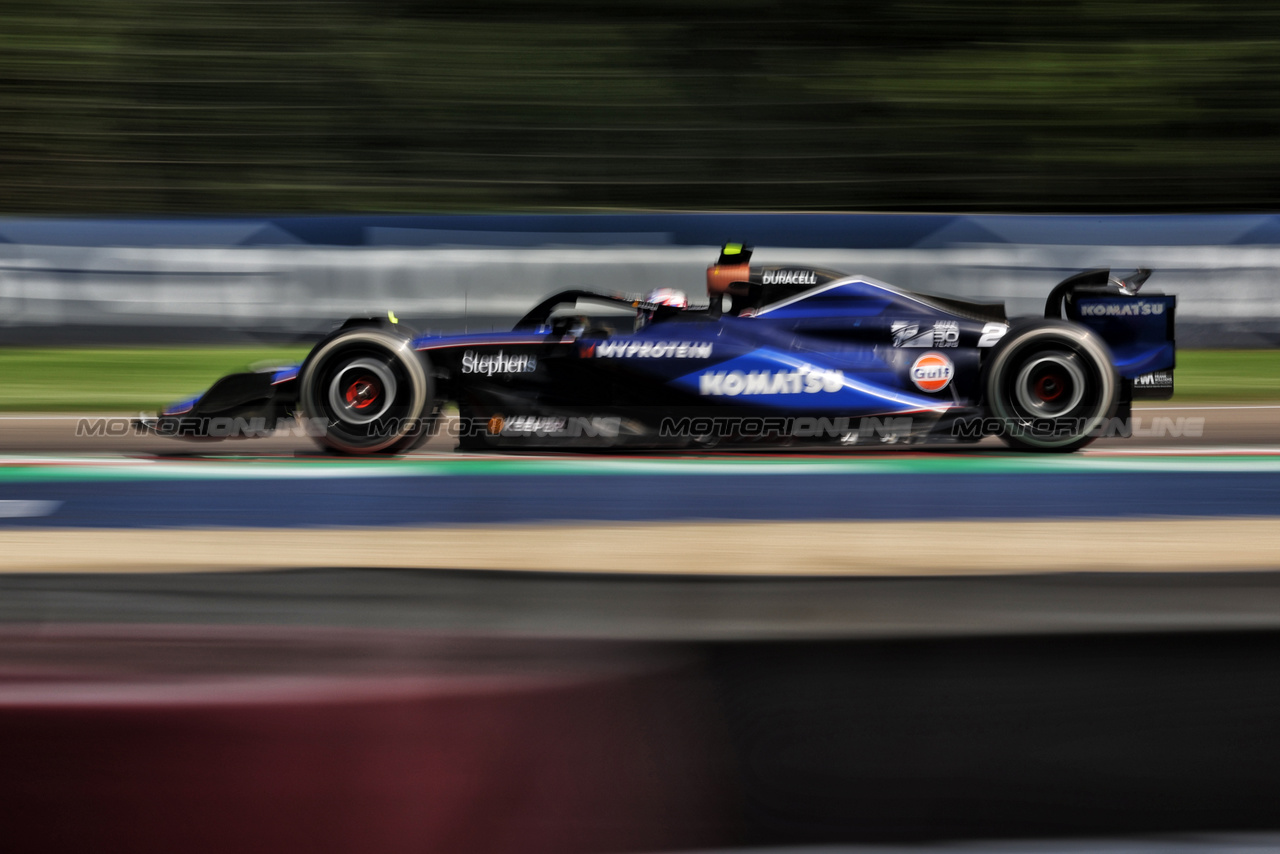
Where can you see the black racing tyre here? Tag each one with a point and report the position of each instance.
(370, 388)
(1051, 384)
(470, 431)
(427, 427)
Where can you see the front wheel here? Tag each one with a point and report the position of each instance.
(369, 388)
(1052, 386)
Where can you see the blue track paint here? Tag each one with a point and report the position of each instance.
(812, 230)
(518, 498)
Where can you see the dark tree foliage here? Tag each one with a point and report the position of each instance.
(217, 106)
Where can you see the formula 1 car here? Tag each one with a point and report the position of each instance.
(782, 355)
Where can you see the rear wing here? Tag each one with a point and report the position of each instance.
(1138, 329)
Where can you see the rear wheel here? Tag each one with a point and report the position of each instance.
(1051, 385)
(370, 389)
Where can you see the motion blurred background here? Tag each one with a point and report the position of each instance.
(190, 187)
(208, 107)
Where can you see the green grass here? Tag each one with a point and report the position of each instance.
(145, 379)
(1227, 375)
(120, 380)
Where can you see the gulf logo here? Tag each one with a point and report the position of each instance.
(932, 372)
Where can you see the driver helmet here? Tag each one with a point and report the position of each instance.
(669, 297)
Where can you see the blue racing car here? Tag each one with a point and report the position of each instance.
(781, 355)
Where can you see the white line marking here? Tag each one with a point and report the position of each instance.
(19, 509)
(1218, 451)
(1197, 408)
(15, 460)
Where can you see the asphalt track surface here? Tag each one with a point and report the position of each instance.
(902, 644)
(1199, 506)
(1185, 503)
(1167, 533)
(1260, 843)
(662, 608)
